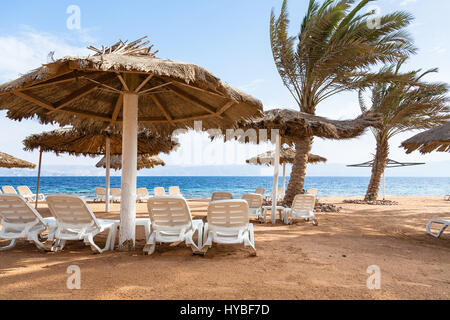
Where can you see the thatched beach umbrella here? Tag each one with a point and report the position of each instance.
(434, 139)
(143, 162)
(294, 125)
(284, 126)
(8, 161)
(122, 86)
(287, 155)
(74, 142)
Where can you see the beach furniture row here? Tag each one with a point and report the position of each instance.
(170, 221)
(24, 191)
(302, 206)
(142, 194)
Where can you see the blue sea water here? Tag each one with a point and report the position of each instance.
(202, 187)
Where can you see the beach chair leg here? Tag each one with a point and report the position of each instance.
(41, 246)
(249, 240)
(89, 240)
(11, 245)
(315, 223)
(441, 230)
(58, 245)
(150, 246)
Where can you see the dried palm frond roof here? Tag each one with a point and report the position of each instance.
(74, 142)
(294, 126)
(434, 139)
(8, 161)
(287, 155)
(143, 162)
(87, 92)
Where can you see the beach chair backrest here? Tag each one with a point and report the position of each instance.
(100, 191)
(169, 211)
(9, 190)
(304, 202)
(220, 195)
(71, 211)
(16, 210)
(312, 191)
(142, 192)
(159, 191)
(254, 200)
(228, 213)
(24, 190)
(174, 191)
(116, 192)
(260, 191)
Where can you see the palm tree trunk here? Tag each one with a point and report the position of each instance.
(297, 179)
(379, 165)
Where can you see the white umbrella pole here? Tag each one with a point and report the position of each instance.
(129, 169)
(108, 169)
(38, 179)
(384, 187)
(276, 166)
(284, 178)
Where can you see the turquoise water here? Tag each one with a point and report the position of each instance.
(202, 187)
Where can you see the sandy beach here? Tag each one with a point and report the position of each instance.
(293, 262)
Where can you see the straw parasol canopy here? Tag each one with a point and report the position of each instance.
(8, 161)
(87, 92)
(143, 162)
(295, 125)
(434, 139)
(287, 155)
(73, 142)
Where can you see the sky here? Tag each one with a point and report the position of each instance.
(231, 39)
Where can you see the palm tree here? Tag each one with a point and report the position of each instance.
(405, 106)
(333, 52)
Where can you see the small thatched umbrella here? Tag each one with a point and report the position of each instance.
(143, 162)
(434, 139)
(125, 85)
(287, 155)
(8, 161)
(74, 142)
(290, 127)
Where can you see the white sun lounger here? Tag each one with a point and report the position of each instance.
(172, 222)
(115, 194)
(302, 207)
(228, 223)
(159, 192)
(255, 202)
(19, 220)
(447, 197)
(76, 221)
(9, 190)
(142, 194)
(174, 191)
(445, 224)
(220, 195)
(100, 194)
(25, 192)
(260, 191)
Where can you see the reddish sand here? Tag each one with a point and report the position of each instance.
(294, 262)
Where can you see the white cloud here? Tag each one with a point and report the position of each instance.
(251, 86)
(406, 2)
(29, 49)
